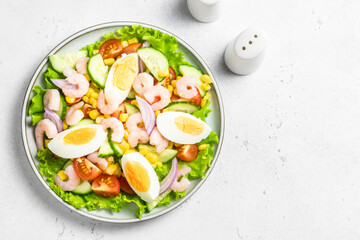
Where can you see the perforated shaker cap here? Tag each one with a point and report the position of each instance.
(250, 43)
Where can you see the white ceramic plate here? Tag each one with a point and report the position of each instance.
(78, 41)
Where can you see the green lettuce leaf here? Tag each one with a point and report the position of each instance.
(36, 108)
(203, 112)
(51, 74)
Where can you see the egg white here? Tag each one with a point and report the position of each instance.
(109, 80)
(65, 150)
(166, 125)
(154, 188)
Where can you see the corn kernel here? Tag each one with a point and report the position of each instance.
(95, 104)
(124, 145)
(157, 112)
(93, 114)
(202, 147)
(151, 157)
(159, 164)
(124, 117)
(94, 95)
(205, 86)
(126, 134)
(62, 175)
(88, 94)
(86, 75)
(176, 92)
(164, 110)
(85, 98)
(207, 96)
(99, 119)
(170, 145)
(107, 116)
(110, 160)
(111, 169)
(177, 144)
(133, 40)
(95, 52)
(206, 78)
(134, 102)
(124, 44)
(129, 151)
(109, 61)
(163, 72)
(170, 89)
(144, 151)
(93, 84)
(70, 99)
(203, 102)
(65, 126)
(178, 77)
(46, 142)
(173, 83)
(118, 172)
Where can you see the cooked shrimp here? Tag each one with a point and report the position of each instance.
(68, 72)
(116, 126)
(74, 115)
(142, 82)
(69, 184)
(158, 140)
(184, 183)
(133, 122)
(158, 97)
(186, 87)
(138, 136)
(81, 65)
(44, 126)
(109, 102)
(100, 162)
(52, 99)
(76, 85)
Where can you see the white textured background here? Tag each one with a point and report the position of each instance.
(289, 167)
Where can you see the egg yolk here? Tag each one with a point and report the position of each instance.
(125, 72)
(80, 136)
(188, 125)
(137, 176)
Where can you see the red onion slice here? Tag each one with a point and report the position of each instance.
(168, 181)
(60, 83)
(141, 65)
(147, 114)
(52, 116)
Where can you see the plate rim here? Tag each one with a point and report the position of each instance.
(38, 71)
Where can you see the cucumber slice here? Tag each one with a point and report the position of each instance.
(182, 106)
(153, 204)
(131, 94)
(115, 146)
(62, 109)
(164, 156)
(68, 163)
(83, 188)
(83, 122)
(61, 61)
(97, 70)
(196, 73)
(131, 109)
(105, 149)
(154, 60)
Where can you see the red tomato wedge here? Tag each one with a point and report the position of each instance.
(121, 109)
(124, 185)
(106, 186)
(110, 49)
(188, 152)
(173, 74)
(85, 169)
(197, 99)
(132, 48)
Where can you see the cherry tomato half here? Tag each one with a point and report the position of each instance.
(173, 74)
(121, 109)
(85, 169)
(106, 186)
(132, 48)
(124, 185)
(197, 99)
(188, 152)
(110, 49)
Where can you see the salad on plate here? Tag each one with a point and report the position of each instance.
(121, 121)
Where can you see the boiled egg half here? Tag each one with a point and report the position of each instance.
(183, 128)
(140, 176)
(78, 141)
(122, 74)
